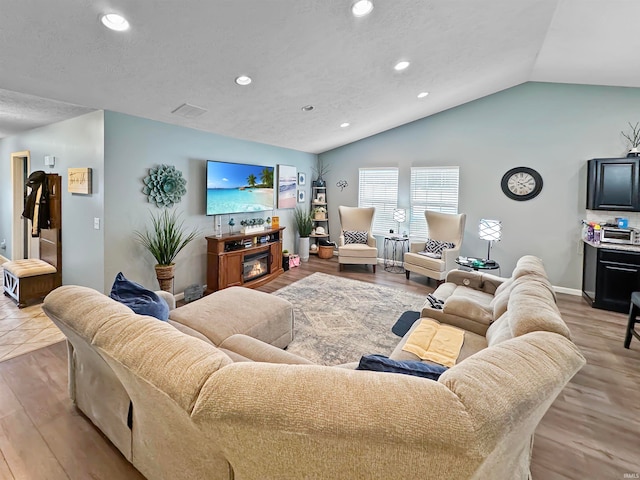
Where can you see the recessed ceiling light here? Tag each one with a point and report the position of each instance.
(307, 108)
(345, 124)
(401, 65)
(423, 94)
(362, 8)
(115, 22)
(243, 80)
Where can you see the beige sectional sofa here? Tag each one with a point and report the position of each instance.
(193, 410)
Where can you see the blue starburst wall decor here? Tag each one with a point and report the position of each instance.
(164, 186)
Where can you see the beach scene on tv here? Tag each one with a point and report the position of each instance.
(237, 188)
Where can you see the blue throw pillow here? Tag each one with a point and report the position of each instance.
(380, 363)
(138, 298)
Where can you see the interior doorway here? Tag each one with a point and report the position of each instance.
(20, 238)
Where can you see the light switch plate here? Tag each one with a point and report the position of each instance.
(96, 223)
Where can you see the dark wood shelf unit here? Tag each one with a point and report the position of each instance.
(226, 257)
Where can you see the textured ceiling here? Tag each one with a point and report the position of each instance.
(300, 52)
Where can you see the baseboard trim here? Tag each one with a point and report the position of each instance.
(568, 291)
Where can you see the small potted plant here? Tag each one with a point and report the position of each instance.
(320, 213)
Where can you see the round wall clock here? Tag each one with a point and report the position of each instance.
(521, 183)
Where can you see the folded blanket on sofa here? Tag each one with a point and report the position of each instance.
(435, 342)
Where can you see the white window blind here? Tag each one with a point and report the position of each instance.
(378, 187)
(432, 188)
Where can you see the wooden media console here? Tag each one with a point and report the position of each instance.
(247, 260)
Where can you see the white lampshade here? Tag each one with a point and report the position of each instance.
(399, 215)
(490, 230)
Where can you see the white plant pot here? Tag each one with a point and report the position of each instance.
(303, 249)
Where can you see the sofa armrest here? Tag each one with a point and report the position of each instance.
(259, 351)
(168, 297)
(471, 279)
(449, 256)
(334, 420)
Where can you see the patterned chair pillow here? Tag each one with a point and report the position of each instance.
(436, 247)
(355, 237)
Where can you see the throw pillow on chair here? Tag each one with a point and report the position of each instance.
(355, 237)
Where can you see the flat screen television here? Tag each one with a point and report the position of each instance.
(238, 188)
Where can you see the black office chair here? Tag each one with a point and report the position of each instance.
(633, 314)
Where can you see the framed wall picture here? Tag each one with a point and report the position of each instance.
(79, 180)
(302, 179)
(287, 184)
(301, 196)
(322, 198)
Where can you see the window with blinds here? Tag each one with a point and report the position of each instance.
(378, 187)
(432, 188)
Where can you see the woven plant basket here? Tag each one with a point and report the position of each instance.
(165, 274)
(325, 251)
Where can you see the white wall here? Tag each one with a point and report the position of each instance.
(132, 146)
(553, 128)
(75, 143)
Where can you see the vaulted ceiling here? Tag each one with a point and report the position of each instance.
(57, 61)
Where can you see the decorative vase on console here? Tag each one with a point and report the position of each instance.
(633, 137)
(321, 169)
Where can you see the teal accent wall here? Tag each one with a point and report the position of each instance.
(75, 143)
(132, 145)
(120, 149)
(553, 128)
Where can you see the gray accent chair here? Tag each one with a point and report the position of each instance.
(445, 227)
(357, 219)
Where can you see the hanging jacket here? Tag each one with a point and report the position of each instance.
(37, 205)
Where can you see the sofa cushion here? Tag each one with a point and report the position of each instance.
(532, 308)
(469, 306)
(499, 331)
(357, 250)
(500, 300)
(423, 261)
(472, 343)
(435, 342)
(139, 299)
(380, 363)
(527, 265)
(355, 237)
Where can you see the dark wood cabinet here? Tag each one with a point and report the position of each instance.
(247, 260)
(613, 184)
(609, 277)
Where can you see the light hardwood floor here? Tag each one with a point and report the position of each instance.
(592, 431)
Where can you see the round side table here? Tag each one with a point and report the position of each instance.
(392, 247)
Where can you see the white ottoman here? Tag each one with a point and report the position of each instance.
(239, 310)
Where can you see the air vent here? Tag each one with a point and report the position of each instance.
(189, 111)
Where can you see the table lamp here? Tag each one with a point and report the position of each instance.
(490, 230)
(399, 215)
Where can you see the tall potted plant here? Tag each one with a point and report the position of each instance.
(304, 224)
(164, 240)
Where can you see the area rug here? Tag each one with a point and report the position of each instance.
(337, 320)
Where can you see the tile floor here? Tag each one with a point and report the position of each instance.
(24, 330)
